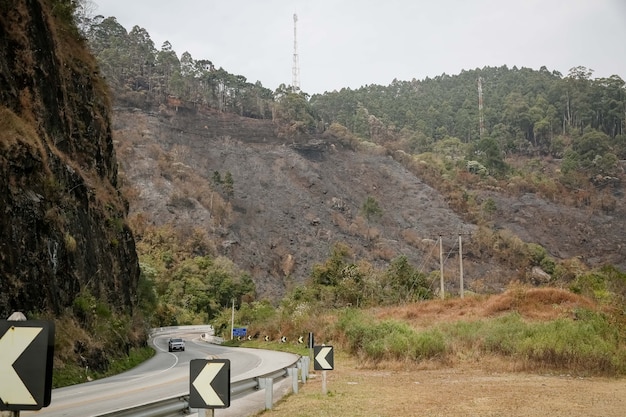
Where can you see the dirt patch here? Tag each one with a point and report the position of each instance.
(466, 390)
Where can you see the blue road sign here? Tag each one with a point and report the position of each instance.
(239, 332)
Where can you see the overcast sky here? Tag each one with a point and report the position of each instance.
(351, 43)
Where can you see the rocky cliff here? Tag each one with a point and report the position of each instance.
(62, 219)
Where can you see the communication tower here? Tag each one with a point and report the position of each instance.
(295, 71)
(481, 119)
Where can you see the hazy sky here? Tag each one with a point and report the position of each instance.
(351, 43)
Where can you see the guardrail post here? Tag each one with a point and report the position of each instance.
(268, 385)
(305, 368)
(299, 369)
(293, 373)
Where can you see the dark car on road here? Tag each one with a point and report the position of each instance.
(176, 344)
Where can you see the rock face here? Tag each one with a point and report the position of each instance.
(62, 218)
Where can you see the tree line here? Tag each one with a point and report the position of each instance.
(526, 111)
(137, 71)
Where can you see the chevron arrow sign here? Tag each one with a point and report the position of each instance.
(209, 383)
(323, 358)
(26, 354)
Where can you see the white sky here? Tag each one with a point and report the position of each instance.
(351, 43)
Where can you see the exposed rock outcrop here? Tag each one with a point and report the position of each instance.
(62, 219)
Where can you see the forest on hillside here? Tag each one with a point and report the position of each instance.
(497, 111)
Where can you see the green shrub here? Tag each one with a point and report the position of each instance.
(583, 345)
(593, 284)
(389, 340)
(428, 344)
(589, 344)
(502, 334)
(84, 306)
(548, 265)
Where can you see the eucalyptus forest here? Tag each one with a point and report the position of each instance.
(522, 111)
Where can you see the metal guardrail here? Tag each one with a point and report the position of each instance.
(174, 406)
(179, 405)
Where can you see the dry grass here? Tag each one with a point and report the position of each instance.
(15, 130)
(477, 389)
(530, 303)
(464, 385)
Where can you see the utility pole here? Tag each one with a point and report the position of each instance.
(441, 290)
(481, 120)
(460, 266)
(295, 70)
(232, 322)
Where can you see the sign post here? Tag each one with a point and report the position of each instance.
(324, 361)
(26, 355)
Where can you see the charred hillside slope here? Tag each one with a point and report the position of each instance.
(294, 197)
(291, 200)
(62, 220)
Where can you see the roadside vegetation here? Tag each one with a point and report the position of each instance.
(576, 323)
(578, 330)
(92, 342)
(381, 314)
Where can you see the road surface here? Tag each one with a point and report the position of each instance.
(166, 375)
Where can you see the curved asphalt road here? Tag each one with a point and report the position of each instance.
(165, 375)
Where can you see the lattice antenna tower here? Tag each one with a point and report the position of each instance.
(481, 117)
(295, 70)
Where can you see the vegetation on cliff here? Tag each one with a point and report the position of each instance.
(67, 252)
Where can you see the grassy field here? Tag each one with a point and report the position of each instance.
(489, 387)
(526, 352)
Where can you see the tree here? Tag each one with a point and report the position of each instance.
(294, 112)
(109, 42)
(371, 210)
(142, 57)
(83, 12)
(217, 178)
(487, 152)
(589, 159)
(405, 282)
(338, 281)
(228, 185)
(167, 64)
